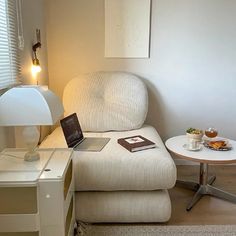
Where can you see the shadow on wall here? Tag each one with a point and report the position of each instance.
(155, 116)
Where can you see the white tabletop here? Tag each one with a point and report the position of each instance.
(13, 168)
(205, 155)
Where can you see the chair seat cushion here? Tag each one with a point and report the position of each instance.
(115, 168)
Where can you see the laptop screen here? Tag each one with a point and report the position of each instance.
(72, 130)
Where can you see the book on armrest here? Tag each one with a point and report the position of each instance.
(136, 143)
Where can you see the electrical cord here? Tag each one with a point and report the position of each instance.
(10, 155)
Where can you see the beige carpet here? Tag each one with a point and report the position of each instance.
(151, 230)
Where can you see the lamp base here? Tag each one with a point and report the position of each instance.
(31, 138)
(31, 156)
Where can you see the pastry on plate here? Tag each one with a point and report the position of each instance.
(218, 144)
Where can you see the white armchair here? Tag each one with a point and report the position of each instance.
(115, 185)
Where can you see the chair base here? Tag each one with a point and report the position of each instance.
(123, 206)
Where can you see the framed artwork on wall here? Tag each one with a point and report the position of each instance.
(127, 28)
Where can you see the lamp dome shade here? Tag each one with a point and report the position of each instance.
(30, 105)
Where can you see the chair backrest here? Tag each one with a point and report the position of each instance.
(106, 101)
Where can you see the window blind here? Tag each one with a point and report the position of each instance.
(9, 55)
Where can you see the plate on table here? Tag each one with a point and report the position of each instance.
(186, 147)
(218, 145)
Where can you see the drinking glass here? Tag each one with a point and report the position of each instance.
(211, 132)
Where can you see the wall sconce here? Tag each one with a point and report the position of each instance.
(36, 65)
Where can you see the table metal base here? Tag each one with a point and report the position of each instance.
(204, 187)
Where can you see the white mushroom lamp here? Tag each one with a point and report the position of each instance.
(30, 106)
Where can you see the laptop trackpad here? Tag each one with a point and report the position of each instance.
(92, 144)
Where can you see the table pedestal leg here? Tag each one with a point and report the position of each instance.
(187, 184)
(204, 187)
(197, 196)
(221, 194)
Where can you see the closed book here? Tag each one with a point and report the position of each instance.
(136, 143)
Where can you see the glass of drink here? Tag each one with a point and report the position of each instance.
(211, 132)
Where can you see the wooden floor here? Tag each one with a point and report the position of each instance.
(209, 210)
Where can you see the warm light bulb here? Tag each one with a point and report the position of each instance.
(36, 69)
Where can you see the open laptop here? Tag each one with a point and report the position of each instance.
(75, 138)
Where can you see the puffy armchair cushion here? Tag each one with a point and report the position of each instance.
(107, 101)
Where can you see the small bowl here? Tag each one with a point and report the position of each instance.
(195, 136)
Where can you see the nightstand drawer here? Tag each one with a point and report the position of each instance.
(69, 216)
(68, 179)
(19, 222)
(20, 234)
(18, 200)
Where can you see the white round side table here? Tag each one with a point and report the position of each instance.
(205, 157)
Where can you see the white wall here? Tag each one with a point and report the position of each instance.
(33, 17)
(191, 73)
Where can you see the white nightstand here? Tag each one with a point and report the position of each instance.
(37, 198)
